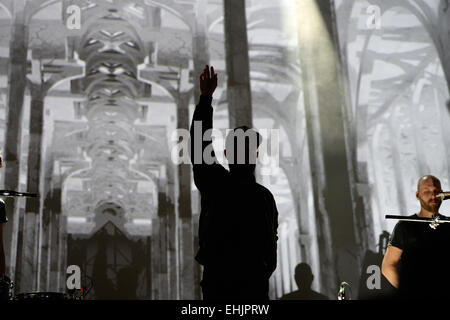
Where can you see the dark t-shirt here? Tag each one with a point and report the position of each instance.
(424, 267)
(236, 225)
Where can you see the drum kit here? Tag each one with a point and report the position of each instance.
(6, 293)
(7, 286)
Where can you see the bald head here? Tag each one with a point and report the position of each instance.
(428, 188)
(428, 179)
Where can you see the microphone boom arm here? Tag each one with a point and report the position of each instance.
(434, 222)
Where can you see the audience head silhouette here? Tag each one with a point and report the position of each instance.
(241, 149)
(303, 276)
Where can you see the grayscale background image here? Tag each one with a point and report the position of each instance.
(94, 92)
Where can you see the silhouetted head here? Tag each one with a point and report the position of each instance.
(427, 189)
(303, 276)
(241, 149)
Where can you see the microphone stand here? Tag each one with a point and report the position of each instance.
(433, 222)
(342, 294)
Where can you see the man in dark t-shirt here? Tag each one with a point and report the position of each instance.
(417, 260)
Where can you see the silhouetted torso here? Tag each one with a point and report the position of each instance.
(235, 222)
(236, 236)
(307, 294)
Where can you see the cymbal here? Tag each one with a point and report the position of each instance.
(11, 193)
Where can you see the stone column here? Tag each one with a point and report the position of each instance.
(443, 49)
(443, 41)
(186, 234)
(324, 104)
(54, 238)
(159, 251)
(29, 254)
(149, 264)
(172, 249)
(62, 254)
(297, 177)
(156, 257)
(200, 51)
(18, 50)
(358, 173)
(237, 62)
(47, 231)
(18, 247)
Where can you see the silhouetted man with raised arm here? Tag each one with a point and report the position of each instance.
(238, 218)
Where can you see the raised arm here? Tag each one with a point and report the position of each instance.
(206, 169)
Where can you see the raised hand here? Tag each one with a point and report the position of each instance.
(208, 81)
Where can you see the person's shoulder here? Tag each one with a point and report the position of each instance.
(319, 296)
(400, 226)
(264, 190)
(304, 295)
(215, 180)
(402, 229)
(291, 296)
(403, 223)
